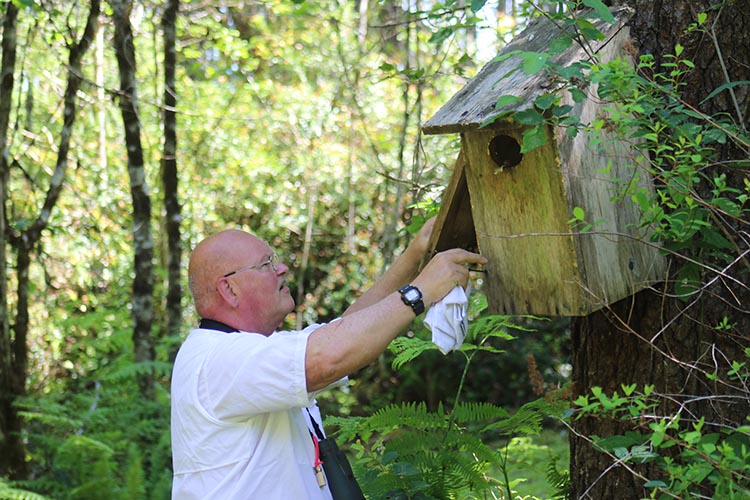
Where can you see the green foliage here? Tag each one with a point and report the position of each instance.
(700, 200)
(407, 451)
(692, 457)
(9, 493)
(559, 480)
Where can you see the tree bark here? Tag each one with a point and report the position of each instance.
(169, 176)
(25, 241)
(652, 337)
(11, 446)
(143, 244)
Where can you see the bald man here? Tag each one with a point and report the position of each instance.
(243, 393)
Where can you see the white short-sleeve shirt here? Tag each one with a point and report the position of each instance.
(239, 425)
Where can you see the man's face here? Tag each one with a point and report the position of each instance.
(259, 280)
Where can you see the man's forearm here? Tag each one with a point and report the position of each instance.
(403, 269)
(343, 346)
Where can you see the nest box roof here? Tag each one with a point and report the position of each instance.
(476, 102)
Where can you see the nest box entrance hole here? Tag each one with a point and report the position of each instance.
(505, 151)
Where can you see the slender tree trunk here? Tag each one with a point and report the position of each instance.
(101, 101)
(312, 199)
(11, 446)
(27, 240)
(390, 236)
(169, 175)
(143, 243)
(653, 338)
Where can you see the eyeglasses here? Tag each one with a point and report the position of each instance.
(272, 261)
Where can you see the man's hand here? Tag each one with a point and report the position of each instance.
(445, 271)
(419, 244)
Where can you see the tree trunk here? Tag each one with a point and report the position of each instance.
(24, 244)
(652, 337)
(11, 446)
(169, 176)
(143, 244)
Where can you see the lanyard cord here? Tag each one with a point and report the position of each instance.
(318, 462)
(316, 439)
(317, 466)
(315, 425)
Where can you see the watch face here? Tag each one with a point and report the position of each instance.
(412, 295)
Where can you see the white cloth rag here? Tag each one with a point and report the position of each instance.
(448, 319)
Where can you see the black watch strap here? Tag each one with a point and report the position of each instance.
(412, 297)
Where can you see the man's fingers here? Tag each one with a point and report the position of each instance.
(460, 256)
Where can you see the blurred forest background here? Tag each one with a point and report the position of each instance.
(134, 129)
(131, 130)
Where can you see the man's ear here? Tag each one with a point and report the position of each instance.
(226, 292)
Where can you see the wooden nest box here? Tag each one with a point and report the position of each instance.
(515, 208)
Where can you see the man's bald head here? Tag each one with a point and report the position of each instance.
(234, 278)
(212, 258)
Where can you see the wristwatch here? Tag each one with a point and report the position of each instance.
(412, 297)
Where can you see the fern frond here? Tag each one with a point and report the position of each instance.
(131, 370)
(408, 444)
(527, 419)
(54, 421)
(478, 412)
(407, 349)
(347, 428)
(559, 481)
(473, 444)
(489, 326)
(9, 493)
(414, 415)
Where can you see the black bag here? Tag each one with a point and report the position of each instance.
(338, 471)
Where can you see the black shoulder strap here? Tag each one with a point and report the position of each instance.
(211, 324)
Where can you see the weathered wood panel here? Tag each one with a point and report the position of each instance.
(616, 255)
(520, 215)
(454, 224)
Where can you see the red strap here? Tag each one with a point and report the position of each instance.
(317, 451)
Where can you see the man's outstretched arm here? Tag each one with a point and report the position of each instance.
(400, 273)
(356, 340)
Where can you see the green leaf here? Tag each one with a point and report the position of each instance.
(441, 35)
(577, 95)
(405, 469)
(588, 30)
(476, 5)
(560, 111)
(687, 281)
(628, 389)
(601, 10)
(533, 62)
(533, 138)
(545, 101)
(612, 443)
(507, 55)
(560, 44)
(724, 87)
(529, 117)
(507, 100)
